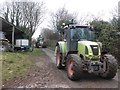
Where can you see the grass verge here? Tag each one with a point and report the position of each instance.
(15, 64)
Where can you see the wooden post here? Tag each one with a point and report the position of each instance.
(13, 37)
(1, 61)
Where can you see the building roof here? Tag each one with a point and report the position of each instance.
(7, 28)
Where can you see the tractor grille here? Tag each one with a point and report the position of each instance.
(95, 49)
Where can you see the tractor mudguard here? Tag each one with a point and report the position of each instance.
(62, 46)
(77, 59)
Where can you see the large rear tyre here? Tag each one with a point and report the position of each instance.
(59, 58)
(110, 66)
(74, 67)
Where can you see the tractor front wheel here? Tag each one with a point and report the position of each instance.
(59, 58)
(74, 67)
(109, 66)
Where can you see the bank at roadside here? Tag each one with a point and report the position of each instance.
(16, 64)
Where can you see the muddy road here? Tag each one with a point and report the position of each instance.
(44, 74)
(88, 81)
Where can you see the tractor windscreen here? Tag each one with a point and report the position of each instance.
(82, 33)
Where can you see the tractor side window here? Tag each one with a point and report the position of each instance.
(75, 34)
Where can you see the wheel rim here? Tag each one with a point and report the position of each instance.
(58, 57)
(70, 68)
(2, 48)
(105, 63)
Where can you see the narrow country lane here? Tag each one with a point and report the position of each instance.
(44, 74)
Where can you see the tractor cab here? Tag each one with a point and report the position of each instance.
(74, 33)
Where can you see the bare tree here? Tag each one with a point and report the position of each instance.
(84, 19)
(115, 12)
(5, 11)
(18, 14)
(12, 12)
(61, 16)
(8, 11)
(33, 13)
(47, 33)
(87, 18)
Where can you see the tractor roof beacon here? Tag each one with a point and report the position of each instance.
(79, 52)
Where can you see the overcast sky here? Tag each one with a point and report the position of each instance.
(101, 8)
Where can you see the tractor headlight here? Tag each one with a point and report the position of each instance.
(95, 49)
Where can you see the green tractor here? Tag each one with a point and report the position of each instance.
(79, 53)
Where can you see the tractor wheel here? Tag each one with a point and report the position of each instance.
(110, 66)
(4, 46)
(74, 67)
(59, 58)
